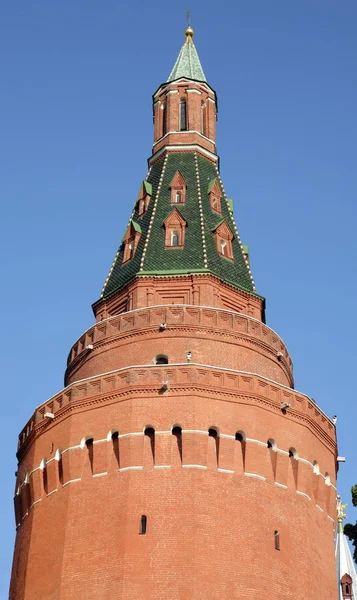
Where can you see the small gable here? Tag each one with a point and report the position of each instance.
(130, 240)
(144, 197)
(213, 187)
(224, 230)
(133, 228)
(214, 195)
(223, 237)
(178, 189)
(175, 218)
(175, 227)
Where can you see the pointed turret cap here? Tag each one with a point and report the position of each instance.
(187, 63)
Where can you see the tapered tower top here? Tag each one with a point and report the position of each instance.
(182, 223)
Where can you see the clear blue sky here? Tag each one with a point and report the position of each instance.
(76, 129)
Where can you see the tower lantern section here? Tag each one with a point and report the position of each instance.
(185, 107)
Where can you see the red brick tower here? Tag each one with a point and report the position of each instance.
(178, 463)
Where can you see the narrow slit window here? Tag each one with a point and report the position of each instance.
(203, 118)
(183, 115)
(276, 540)
(164, 116)
(143, 524)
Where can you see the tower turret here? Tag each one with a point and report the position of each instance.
(178, 462)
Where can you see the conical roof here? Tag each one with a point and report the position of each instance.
(188, 63)
(199, 254)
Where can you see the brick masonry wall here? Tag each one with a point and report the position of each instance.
(211, 516)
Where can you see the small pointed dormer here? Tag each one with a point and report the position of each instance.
(214, 196)
(224, 236)
(131, 240)
(178, 189)
(175, 228)
(144, 197)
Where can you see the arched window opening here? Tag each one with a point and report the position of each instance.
(276, 540)
(89, 444)
(161, 359)
(131, 250)
(178, 197)
(271, 444)
(212, 432)
(183, 115)
(175, 238)
(58, 458)
(143, 524)
(293, 453)
(150, 433)
(45, 480)
(177, 433)
(115, 442)
(240, 436)
(316, 468)
(327, 479)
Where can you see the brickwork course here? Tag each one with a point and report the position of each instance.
(178, 462)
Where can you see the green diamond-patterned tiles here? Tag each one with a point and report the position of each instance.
(165, 261)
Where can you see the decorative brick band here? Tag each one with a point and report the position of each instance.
(186, 378)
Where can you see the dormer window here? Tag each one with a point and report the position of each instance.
(183, 115)
(346, 587)
(144, 197)
(130, 241)
(175, 228)
(224, 237)
(214, 195)
(178, 189)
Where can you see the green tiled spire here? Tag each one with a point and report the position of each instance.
(187, 63)
(199, 254)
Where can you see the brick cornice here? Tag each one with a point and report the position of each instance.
(184, 379)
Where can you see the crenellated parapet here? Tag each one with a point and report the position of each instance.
(227, 338)
(183, 380)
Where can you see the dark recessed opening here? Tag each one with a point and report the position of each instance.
(143, 523)
(276, 540)
(161, 359)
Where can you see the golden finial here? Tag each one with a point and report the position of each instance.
(340, 513)
(189, 33)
